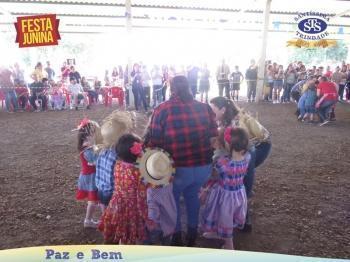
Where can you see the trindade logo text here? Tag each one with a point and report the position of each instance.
(312, 26)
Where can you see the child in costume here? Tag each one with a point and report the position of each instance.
(226, 203)
(157, 171)
(87, 132)
(123, 221)
(114, 126)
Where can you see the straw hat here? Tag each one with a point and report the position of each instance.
(156, 166)
(114, 126)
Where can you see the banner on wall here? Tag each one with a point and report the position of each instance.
(144, 253)
(39, 30)
(311, 31)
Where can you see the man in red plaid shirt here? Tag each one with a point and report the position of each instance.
(185, 128)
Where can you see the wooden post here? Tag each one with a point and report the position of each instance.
(261, 72)
(128, 18)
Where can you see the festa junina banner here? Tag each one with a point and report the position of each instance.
(108, 253)
(39, 30)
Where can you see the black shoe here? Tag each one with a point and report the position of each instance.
(191, 237)
(76, 108)
(247, 228)
(177, 240)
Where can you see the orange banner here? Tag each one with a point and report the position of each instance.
(39, 30)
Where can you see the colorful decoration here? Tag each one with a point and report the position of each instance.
(311, 44)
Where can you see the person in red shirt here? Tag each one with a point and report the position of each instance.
(328, 96)
(328, 73)
(185, 128)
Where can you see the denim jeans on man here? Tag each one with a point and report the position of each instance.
(11, 98)
(301, 105)
(188, 181)
(139, 97)
(325, 108)
(157, 95)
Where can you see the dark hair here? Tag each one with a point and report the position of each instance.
(123, 146)
(324, 78)
(72, 78)
(180, 87)
(239, 140)
(84, 133)
(231, 110)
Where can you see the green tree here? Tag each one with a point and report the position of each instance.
(311, 56)
(337, 53)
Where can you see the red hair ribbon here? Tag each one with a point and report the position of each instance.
(83, 123)
(227, 134)
(136, 149)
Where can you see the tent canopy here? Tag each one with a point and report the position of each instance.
(99, 16)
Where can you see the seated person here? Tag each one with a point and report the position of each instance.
(39, 92)
(93, 96)
(77, 94)
(57, 99)
(22, 96)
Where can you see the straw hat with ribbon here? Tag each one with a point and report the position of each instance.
(155, 165)
(114, 126)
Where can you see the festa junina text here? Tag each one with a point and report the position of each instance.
(37, 30)
(95, 254)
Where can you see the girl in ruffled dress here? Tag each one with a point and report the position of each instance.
(226, 202)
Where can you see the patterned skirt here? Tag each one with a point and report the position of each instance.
(162, 208)
(124, 220)
(224, 210)
(87, 189)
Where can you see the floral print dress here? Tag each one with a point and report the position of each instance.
(125, 217)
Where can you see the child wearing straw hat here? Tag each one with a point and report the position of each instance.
(157, 169)
(87, 135)
(113, 127)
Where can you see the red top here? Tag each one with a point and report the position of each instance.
(86, 169)
(328, 74)
(21, 91)
(328, 88)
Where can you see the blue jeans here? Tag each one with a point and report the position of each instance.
(188, 181)
(258, 155)
(301, 105)
(324, 109)
(11, 98)
(157, 95)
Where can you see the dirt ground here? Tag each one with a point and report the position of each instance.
(301, 204)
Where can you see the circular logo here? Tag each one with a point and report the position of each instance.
(312, 25)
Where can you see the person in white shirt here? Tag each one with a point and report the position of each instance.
(77, 94)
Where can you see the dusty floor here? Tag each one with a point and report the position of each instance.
(301, 204)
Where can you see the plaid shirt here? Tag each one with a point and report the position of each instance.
(184, 129)
(105, 170)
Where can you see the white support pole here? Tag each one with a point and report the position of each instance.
(261, 71)
(128, 18)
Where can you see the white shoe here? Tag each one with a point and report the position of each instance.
(324, 123)
(211, 235)
(90, 223)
